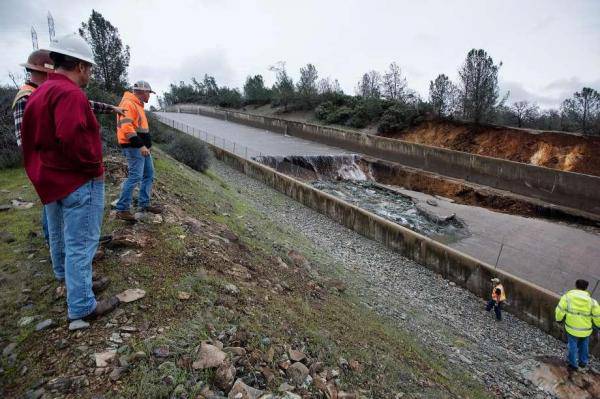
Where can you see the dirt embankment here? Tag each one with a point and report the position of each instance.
(555, 150)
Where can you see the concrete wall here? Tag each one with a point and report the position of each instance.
(573, 190)
(529, 302)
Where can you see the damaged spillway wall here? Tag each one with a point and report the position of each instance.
(349, 178)
(319, 167)
(568, 189)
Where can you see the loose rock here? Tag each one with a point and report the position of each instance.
(243, 391)
(297, 372)
(184, 296)
(296, 356)
(9, 349)
(18, 204)
(78, 325)
(43, 325)
(224, 376)
(130, 295)
(117, 373)
(209, 356)
(25, 321)
(104, 358)
(162, 352)
(231, 289)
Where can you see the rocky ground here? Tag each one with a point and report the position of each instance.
(219, 300)
(445, 318)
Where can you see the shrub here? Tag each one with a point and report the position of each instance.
(160, 132)
(10, 154)
(399, 117)
(190, 151)
(323, 110)
(366, 111)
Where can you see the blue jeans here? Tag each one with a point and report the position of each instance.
(74, 224)
(140, 169)
(497, 308)
(45, 226)
(578, 346)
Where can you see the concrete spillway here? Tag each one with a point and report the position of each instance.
(258, 141)
(549, 254)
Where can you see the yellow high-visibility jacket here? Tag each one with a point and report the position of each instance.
(579, 311)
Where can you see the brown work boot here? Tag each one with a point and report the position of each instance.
(102, 307)
(100, 285)
(126, 216)
(156, 209)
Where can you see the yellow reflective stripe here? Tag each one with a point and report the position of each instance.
(124, 121)
(578, 328)
(141, 130)
(130, 135)
(580, 296)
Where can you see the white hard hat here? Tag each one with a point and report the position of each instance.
(142, 85)
(74, 46)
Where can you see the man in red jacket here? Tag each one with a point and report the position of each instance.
(62, 154)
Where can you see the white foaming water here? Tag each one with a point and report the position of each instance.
(351, 172)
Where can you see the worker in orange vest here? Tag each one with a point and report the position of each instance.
(134, 138)
(498, 298)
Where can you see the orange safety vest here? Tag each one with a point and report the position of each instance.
(134, 121)
(24, 91)
(496, 297)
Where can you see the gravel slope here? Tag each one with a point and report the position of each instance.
(444, 317)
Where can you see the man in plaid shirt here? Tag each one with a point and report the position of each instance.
(38, 66)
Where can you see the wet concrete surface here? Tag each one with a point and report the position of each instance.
(258, 141)
(552, 255)
(549, 254)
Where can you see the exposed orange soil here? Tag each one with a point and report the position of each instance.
(555, 150)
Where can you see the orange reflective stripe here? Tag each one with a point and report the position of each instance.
(123, 121)
(24, 91)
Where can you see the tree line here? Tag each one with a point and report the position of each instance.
(386, 99)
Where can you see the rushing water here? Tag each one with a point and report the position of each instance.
(323, 167)
(343, 177)
(394, 207)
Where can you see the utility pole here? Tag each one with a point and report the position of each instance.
(34, 40)
(51, 32)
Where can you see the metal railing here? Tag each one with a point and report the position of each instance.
(215, 141)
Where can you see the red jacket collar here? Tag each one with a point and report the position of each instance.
(58, 76)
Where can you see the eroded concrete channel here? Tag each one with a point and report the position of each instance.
(549, 254)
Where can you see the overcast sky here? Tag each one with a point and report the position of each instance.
(549, 48)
